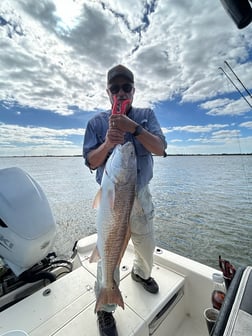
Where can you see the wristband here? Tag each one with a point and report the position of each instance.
(138, 130)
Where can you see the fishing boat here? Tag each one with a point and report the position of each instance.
(41, 295)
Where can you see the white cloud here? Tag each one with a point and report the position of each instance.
(38, 140)
(54, 60)
(212, 146)
(57, 53)
(247, 124)
(222, 107)
(226, 134)
(198, 128)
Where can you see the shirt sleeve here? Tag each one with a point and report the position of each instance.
(91, 140)
(152, 125)
(95, 134)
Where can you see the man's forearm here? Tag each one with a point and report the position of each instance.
(97, 156)
(151, 142)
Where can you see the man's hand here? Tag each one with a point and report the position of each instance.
(114, 134)
(151, 142)
(122, 122)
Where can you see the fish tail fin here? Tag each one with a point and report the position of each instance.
(109, 296)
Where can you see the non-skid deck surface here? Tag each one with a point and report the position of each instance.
(66, 307)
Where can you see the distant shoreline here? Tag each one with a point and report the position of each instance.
(58, 156)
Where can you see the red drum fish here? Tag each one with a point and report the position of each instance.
(114, 201)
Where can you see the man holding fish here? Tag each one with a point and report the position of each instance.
(119, 144)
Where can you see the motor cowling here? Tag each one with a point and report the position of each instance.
(27, 225)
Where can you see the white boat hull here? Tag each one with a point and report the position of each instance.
(66, 306)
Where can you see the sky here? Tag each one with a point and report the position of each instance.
(55, 55)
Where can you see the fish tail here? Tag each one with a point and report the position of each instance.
(109, 296)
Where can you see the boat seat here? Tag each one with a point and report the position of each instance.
(235, 317)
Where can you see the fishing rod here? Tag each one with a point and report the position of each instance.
(238, 138)
(235, 86)
(238, 79)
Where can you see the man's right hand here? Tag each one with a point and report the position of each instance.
(114, 137)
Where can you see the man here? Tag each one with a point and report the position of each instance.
(106, 130)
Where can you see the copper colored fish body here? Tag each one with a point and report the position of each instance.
(114, 200)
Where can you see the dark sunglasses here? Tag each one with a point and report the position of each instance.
(115, 88)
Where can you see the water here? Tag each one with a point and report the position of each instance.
(203, 203)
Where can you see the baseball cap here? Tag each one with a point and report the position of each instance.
(120, 70)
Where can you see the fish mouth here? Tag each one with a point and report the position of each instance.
(121, 99)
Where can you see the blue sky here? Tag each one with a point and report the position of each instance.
(55, 56)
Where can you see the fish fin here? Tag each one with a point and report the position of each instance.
(125, 244)
(97, 199)
(95, 256)
(109, 296)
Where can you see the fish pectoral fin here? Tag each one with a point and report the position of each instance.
(97, 199)
(109, 296)
(95, 256)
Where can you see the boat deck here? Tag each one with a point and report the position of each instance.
(66, 307)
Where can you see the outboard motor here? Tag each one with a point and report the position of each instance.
(27, 226)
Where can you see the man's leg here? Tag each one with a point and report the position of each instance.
(142, 235)
(144, 246)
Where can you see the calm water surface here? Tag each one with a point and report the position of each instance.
(203, 203)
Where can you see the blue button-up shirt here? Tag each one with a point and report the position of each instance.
(96, 133)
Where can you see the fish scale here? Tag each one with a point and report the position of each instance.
(115, 201)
